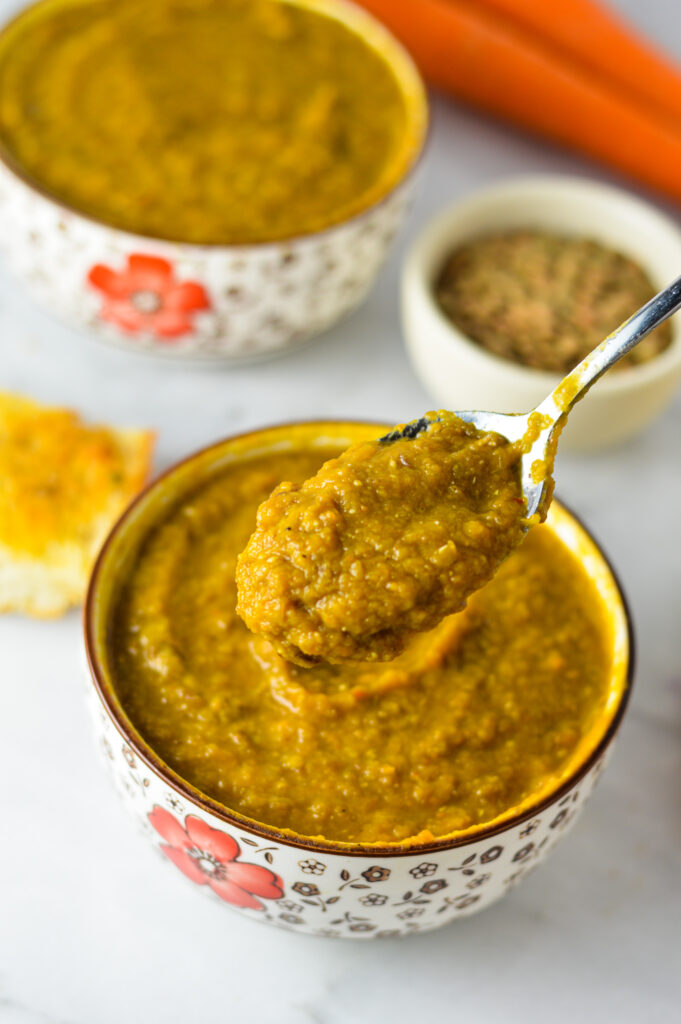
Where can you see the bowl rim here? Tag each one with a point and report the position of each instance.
(351, 15)
(233, 819)
(417, 278)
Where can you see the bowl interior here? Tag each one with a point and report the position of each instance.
(354, 18)
(119, 553)
(380, 39)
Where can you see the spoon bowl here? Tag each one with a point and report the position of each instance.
(538, 431)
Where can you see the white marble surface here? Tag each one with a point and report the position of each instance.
(93, 931)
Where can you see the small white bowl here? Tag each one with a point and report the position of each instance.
(226, 302)
(462, 375)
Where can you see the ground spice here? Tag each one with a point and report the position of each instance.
(545, 300)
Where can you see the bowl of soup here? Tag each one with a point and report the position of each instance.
(221, 179)
(363, 800)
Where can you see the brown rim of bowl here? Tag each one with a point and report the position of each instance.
(409, 171)
(232, 818)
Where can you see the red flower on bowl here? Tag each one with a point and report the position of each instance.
(209, 857)
(146, 296)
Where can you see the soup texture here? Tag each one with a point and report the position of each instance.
(472, 718)
(382, 542)
(206, 121)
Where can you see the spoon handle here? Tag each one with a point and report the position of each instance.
(622, 340)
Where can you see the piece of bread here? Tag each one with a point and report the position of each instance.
(62, 486)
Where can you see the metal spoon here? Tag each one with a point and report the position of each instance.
(541, 428)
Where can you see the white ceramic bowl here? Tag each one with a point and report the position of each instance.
(215, 301)
(462, 375)
(317, 886)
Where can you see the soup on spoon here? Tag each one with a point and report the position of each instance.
(383, 542)
(396, 533)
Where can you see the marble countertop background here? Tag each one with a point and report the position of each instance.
(92, 932)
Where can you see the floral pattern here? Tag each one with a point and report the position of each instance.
(423, 870)
(312, 867)
(209, 857)
(376, 874)
(147, 297)
(305, 889)
(226, 302)
(373, 899)
(492, 854)
(433, 886)
(295, 908)
(529, 828)
(322, 892)
(411, 912)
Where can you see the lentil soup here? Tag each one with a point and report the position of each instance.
(382, 542)
(209, 122)
(475, 717)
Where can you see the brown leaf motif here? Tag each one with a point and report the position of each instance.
(475, 883)
(457, 903)
(561, 818)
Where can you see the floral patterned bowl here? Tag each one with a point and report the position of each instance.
(322, 887)
(209, 301)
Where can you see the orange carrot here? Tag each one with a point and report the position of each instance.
(596, 37)
(497, 67)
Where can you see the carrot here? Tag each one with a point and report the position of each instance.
(496, 67)
(595, 37)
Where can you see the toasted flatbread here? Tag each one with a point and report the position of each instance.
(62, 486)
